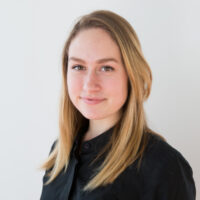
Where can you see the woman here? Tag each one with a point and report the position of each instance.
(105, 149)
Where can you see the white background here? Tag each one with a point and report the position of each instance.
(32, 35)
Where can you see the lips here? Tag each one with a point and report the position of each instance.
(92, 101)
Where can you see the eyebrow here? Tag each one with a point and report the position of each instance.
(99, 61)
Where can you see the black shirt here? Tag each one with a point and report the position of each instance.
(164, 175)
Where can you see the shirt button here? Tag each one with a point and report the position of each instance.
(86, 146)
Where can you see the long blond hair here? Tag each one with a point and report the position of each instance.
(130, 135)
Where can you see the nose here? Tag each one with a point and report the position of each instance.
(91, 82)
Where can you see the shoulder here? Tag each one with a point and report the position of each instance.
(163, 157)
(163, 174)
(165, 170)
(162, 154)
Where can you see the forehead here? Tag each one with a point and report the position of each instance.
(93, 43)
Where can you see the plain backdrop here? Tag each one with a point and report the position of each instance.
(32, 35)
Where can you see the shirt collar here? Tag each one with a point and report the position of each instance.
(93, 145)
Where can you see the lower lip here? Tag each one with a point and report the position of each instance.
(92, 102)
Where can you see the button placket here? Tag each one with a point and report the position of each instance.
(87, 146)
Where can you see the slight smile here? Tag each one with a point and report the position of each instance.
(92, 101)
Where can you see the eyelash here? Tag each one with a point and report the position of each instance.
(111, 68)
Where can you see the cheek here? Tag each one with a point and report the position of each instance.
(74, 86)
(118, 86)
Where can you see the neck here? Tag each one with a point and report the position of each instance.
(96, 127)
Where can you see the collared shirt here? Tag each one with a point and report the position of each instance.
(164, 174)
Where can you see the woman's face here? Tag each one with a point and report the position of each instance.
(96, 78)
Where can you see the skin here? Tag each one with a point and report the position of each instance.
(90, 76)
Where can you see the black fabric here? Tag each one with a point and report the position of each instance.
(164, 175)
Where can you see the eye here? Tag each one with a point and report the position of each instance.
(80, 67)
(77, 67)
(108, 68)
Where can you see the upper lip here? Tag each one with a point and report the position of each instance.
(95, 99)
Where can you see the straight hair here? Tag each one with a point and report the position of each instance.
(130, 135)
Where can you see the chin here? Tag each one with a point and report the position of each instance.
(93, 116)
